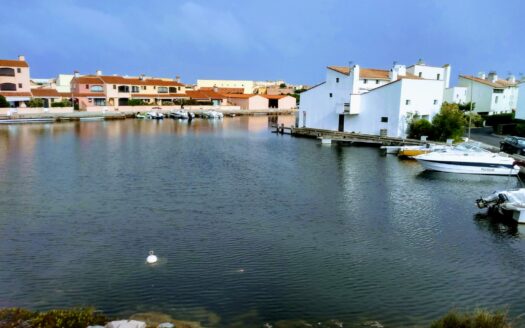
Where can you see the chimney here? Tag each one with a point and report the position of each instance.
(482, 75)
(76, 74)
(420, 62)
(177, 78)
(392, 75)
(396, 71)
(511, 79)
(22, 58)
(446, 75)
(99, 72)
(493, 76)
(356, 72)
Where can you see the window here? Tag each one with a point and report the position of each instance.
(407, 102)
(135, 89)
(87, 86)
(384, 119)
(20, 85)
(419, 74)
(173, 89)
(179, 88)
(336, 80)
(496, 100)
(498, 91)
(364, 82)
(377, 81)
(435, 101)
(97, 88)
(330, 95)
(123, 88)
(114, 87)
(100, 102)
(438, 76)
(8, 87)
(18, 70)
(7, 72)
(143, 87)
(163, 90)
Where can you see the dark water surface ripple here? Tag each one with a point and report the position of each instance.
(246, 224)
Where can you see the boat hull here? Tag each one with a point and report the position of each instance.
(468, 168)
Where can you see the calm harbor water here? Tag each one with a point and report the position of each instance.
(250, 227)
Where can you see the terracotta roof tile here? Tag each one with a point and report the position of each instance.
(240, 96)
(13, 63)
(203, 94)
(45, 92)
(87, 80)
(373, 73)
(275, 96)
(15, 94)
(497, 84)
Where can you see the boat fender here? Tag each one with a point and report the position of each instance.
(151, 258)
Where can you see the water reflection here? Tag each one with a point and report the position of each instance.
(500, 227)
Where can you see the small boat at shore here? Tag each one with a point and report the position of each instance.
(180, 114)
(155, 116)
(212, 114)
(411, 151)
(468, 158)
(507, 204)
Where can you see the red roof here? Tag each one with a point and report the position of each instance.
(15, 94)
(497, 84)
(204, 94)
(87, 80)
(13, 63)
(45, 92)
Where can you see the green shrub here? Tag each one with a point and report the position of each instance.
(69, 318)
(63, 103)
(477, 319)
(15, 317)
(36, 102)
(449, 123)
(475, 119)
(136, 102)
(520, 129)
(418, 127)
(3, 102)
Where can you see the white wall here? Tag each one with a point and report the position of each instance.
(381, 102)
(427, 72)
(520, 108)
(319, 108)
(480, 93)
(456, 95)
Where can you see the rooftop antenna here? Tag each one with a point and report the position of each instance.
(394, 63)
(350, 63)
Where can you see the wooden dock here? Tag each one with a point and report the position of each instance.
(329, 136)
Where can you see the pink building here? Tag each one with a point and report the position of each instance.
(254, 101)
(15, 84)
(114, 90)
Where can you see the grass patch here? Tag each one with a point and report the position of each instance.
(479, 318)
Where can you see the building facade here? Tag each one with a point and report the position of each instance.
(374, 101)
(520, 104)
(256, 101)
(456, 95)
(15, 84)
(490, 94)
(114, 90)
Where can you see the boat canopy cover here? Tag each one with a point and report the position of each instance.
(513, 200)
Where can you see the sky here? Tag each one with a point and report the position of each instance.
(260, 40)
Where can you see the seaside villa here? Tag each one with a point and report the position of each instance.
(374, 101)
(15, 84)
(491, 94)
(520, 103)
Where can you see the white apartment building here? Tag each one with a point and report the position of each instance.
(456, 95)
(490, 94)
(248, 86)
(374, 101)
(520, 106)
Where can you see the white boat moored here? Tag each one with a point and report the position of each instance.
(468, 158)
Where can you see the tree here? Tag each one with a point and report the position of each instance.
(36, 102)
(449, 123)
(466, 107)
(136, 102)
(282, 85)
(3, 102)
(418, 127)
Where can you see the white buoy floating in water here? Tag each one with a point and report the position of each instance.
(152, 258)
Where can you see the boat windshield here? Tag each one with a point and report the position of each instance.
(470, 146)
